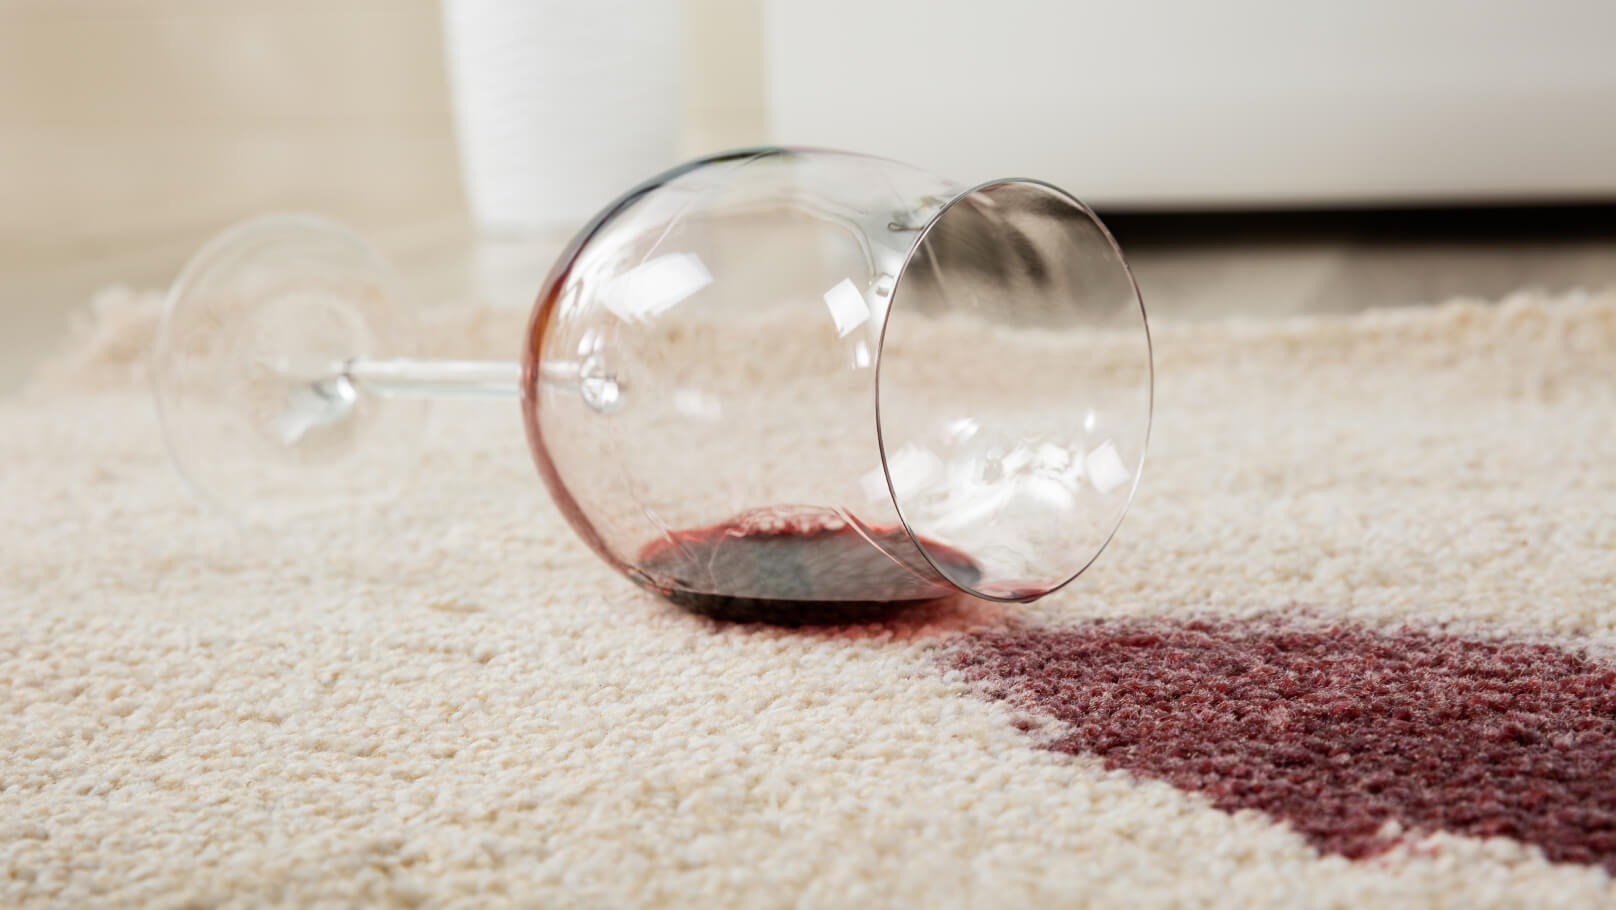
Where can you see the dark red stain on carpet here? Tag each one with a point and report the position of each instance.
(1335, 730)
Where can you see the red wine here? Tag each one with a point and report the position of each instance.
(797, 567)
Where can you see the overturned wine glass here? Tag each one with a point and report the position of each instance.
(781, 385)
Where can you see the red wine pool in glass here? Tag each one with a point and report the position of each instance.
(808, 567)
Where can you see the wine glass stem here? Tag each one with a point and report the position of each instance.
(409, 378)
(397, 377)
(328, 394)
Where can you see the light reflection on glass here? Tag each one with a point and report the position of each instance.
(655, 286)
(698, 404)
(1106, 470)
(962, 429)
(861, 355)
(966, 491)
(847, 307)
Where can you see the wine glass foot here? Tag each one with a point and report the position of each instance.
(248, 371)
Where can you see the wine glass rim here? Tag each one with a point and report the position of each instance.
(1150, 384)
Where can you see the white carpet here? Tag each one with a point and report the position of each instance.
(448, 701)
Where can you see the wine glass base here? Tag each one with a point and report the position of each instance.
(247, 371)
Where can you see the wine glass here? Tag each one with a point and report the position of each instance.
(773, 384)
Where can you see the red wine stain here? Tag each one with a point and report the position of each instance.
(1335, 730)
(797, 567)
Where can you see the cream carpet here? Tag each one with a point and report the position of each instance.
(1352, 648)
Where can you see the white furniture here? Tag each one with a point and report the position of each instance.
(1149, 103)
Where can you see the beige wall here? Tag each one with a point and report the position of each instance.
(144, 121)
(138, 121)
(131, 130)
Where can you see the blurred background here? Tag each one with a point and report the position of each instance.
(1254, 158)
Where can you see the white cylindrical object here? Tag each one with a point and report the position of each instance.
(560, 105)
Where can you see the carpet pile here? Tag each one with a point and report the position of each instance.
(1354, 646)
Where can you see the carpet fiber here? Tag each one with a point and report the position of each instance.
(1355, 646)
